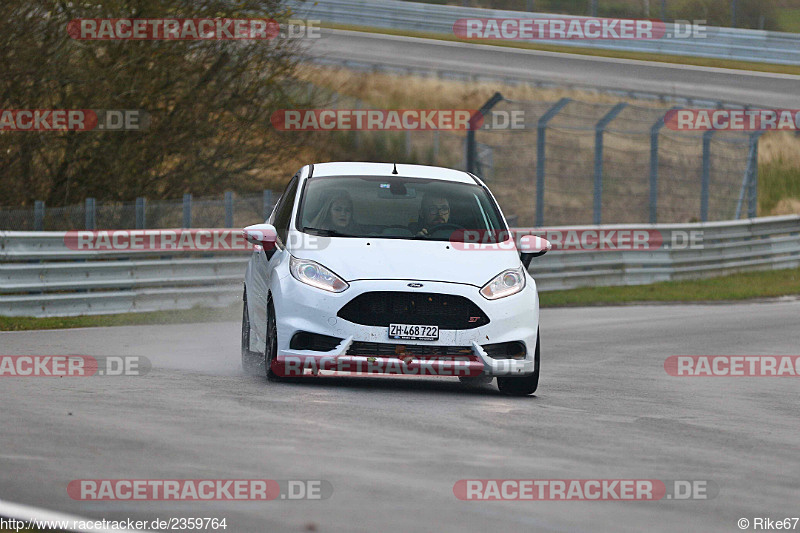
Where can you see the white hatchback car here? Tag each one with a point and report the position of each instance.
(389, 267)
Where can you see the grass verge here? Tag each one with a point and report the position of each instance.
(642, 56)
(744, 286)
(187, 316)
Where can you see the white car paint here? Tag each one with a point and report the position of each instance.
(379, 264)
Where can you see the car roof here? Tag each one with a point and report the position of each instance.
(381, 169)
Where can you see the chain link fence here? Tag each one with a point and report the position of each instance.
(569, 162)
(591, 163)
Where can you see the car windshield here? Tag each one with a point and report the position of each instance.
(396, 208)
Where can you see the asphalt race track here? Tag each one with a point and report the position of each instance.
(393, 448)
(738, 86)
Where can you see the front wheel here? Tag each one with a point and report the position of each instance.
(251, 361)
(271, 349)
(524, 385)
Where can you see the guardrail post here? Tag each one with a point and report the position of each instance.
(654, 131)
(598, 158)
(473, 121)
(541, 129)
(38, 215)
(267, 203)
(141, 222)
(187, 210)
(752, 190)
(89, 212)
(706, 175)
(228, 209)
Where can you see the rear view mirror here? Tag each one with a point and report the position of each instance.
(261, 234)
(531, 246)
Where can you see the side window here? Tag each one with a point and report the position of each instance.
(283, 212)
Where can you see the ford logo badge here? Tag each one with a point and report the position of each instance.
(415, 285)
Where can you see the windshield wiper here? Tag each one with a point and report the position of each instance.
(325, 232)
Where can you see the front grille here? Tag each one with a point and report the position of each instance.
(382, 349)
(448, 311)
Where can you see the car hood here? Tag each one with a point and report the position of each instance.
(357, 259)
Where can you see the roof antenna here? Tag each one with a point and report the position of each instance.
(394, 171)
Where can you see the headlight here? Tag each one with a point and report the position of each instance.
(504, 284)
(316, 275)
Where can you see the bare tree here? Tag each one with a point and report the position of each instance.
(209, 102)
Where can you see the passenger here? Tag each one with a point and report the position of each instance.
(337, 214)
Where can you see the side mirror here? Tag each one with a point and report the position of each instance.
(261, 234)
(531, 246)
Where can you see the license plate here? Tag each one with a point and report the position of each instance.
(413, 332)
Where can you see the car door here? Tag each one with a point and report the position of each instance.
(264, 263)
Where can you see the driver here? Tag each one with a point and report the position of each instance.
(434, 211)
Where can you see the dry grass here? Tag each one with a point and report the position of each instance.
(779, 174)
(390, 91)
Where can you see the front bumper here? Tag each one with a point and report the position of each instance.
(300, 307)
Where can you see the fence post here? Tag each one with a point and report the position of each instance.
(706, 179)
(141, 222)
(541, 128)
(473, 122)
(267, 203)
(435, 147)
(408, 145)
(38, 215)
(654, 131)
(187, 210)
(228, 209)
(89, 212)
(752, 190)
(598, 158)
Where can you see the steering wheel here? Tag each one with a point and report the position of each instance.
(444, 227)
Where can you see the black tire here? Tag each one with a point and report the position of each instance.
(271, 348)
(252, 362)
(525, 385)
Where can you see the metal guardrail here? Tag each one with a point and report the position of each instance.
(720, 43)
(40, 276)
